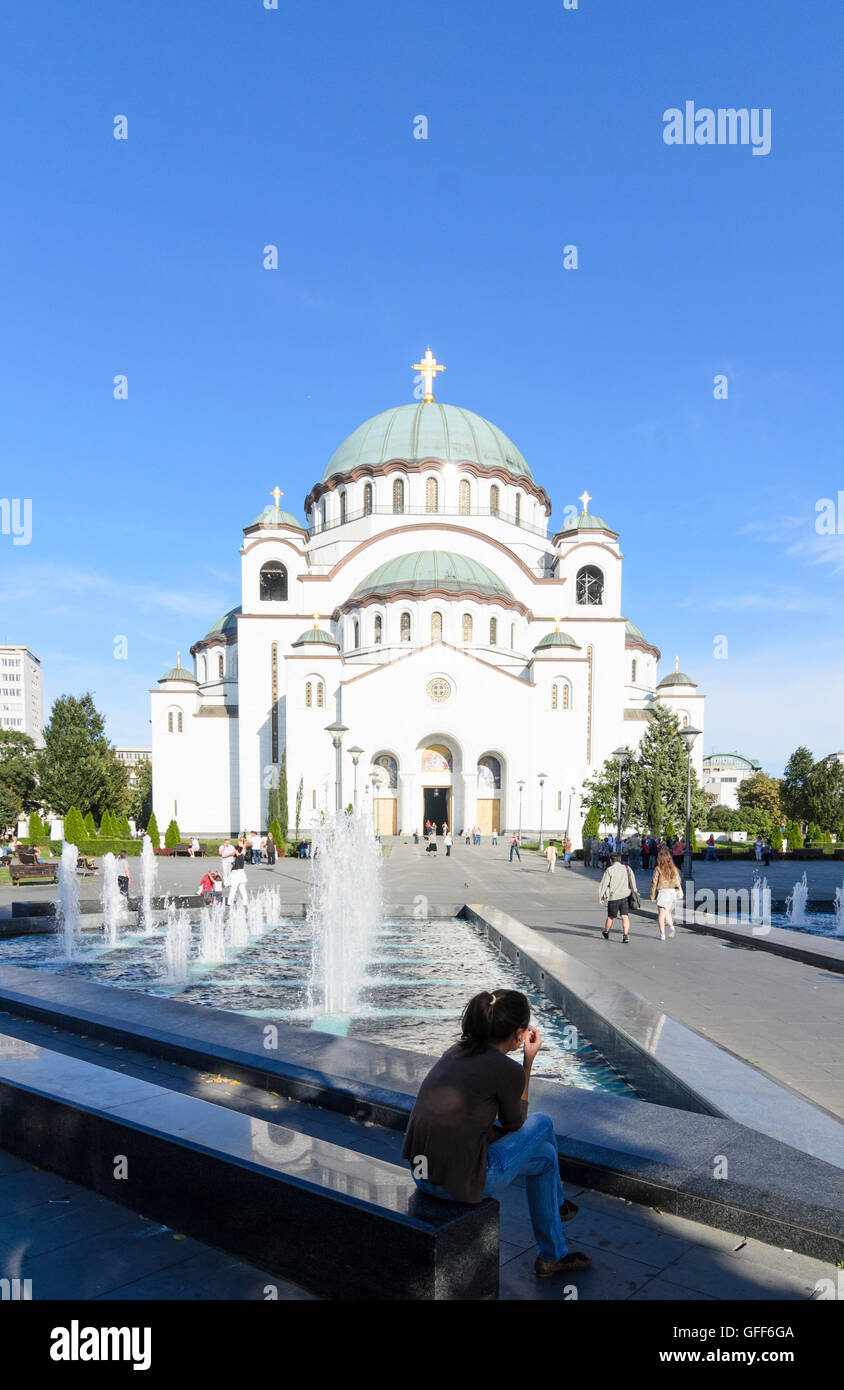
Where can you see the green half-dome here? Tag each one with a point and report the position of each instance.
(272, 517)
(425, 571)
(318, 636)
(425, 430)
(586, 522)
(677, 678)
(556, 639)
(178, 673)
(224, 626)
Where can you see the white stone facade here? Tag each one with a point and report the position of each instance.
(413, 666)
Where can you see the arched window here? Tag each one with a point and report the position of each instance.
(273, 582)
(493, 499)
(489, 773)
(200, 669)
(170, 721)
(367, 499)
(493, 631)
(356, 634)
(465, 497)
(634, 668)
(561, 694)
(467, 627)
(436, 627)
(398, 495)
(342, 507)
(589, 585)
(432, 493)
(404, 630)
(518, 509)
(377, 630)
(437, 758)
(309, 694)
(221, 666)
(320, 695)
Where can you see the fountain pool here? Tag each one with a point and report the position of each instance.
(418, 977)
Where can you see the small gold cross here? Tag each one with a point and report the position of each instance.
(316, 619)
(276, 493)
(584, 498)
(429, 366)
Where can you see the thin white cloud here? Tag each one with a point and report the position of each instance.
(55, 584)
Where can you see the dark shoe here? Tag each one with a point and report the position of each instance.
(575, 1262)
(625, 939)
(568, 1210)
(605, 934)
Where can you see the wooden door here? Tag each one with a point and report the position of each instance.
(386, 815)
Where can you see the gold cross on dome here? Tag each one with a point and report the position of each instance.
(676, 664)
(584, 498)
(429, 366)
(316, 619)
(277, 494)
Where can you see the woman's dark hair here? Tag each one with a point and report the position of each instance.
(492, 1018)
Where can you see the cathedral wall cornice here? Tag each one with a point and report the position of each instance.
(418, 595)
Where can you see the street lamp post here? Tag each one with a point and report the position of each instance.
(521, 787)
(568, 816)
(375, 779)
(337, 730)
(622, 757)
(688, 735)
(542, 779)
(355, 755)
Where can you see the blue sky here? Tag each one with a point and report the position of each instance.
(295, 127)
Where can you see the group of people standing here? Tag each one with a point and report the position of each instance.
(235, 855)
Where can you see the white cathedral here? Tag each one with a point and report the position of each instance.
(425, 646)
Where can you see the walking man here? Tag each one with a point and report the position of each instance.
(615, 891)
(551, 856)
(227, 852)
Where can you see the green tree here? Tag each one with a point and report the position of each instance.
(18, 768)
(36, 829)
(272, 805)
(658, 776)
(124, 830)
(172, 835)
(10, 807)
(140, 800)
(118, 791)
(153, 830)
(592, 823)
(793, 835)
(654, 811)
(90, 827)
(760, 793)
(794, 786)
(300, 792)
(74, 827)
(278, 836)
(825, 794)
(73, 766)
(601, 791)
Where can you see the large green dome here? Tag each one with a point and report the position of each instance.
(428, 430)
(427, 570)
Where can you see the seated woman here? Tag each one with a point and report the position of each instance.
(458, 1154)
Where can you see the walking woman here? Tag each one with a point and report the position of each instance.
(456, 1150)
(237, 882)
(665, 886)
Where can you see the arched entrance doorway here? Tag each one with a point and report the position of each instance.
(489, 793)
(437, 769)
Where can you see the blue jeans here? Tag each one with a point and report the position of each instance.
(531, 1153)
(514, 849)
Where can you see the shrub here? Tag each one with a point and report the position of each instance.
(153, 831)
(74, 827)
(124, 830)
(172, 835)
(793, 835)
(37, 830)
(91, 828)
(276, 832)
(591, 825)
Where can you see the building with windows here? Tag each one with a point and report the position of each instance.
(475, 662)
(133, 757)
(723, 774)
(22, 693)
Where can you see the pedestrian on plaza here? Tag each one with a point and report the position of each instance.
(237, 882)
(477, 834)
(758, 849)
(448, 842)
(614, 890)
(271, 847)
(494, 836)
(227, 853)
(604, 857)
(206, 888)
(567, 852)
(767, 851)
(416, 837)
(217, 888)
(551, 856)
(255, 843)
(456, 1150)
(678, 849)
(710, 850)
(665, 889)
(427, 828)
(123, 873)
(514, 847)
(431, 847)
(445, 827)
(468, 837)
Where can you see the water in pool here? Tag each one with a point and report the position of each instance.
(419, 975)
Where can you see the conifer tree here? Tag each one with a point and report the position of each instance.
(172, 835)
(153, 830)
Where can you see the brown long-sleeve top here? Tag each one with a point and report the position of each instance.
(451, 1124)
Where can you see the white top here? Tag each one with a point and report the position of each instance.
(226, 851)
